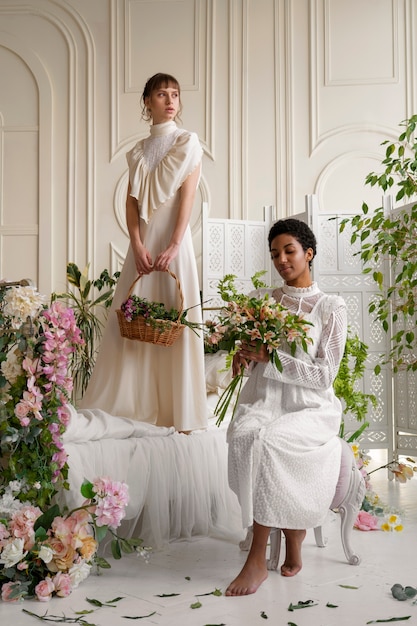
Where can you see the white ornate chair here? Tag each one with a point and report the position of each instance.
(350, 491)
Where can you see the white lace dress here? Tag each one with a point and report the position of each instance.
(284, 452)
(155, 384)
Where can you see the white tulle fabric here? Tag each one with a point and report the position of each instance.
(177, 483)
(284, 452)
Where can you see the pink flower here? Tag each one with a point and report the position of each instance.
(62, 584)
(366, 521)
(44, 590)
(10, 592)
(4, 533)
(63, 529)
(22, 523)
(112, 498)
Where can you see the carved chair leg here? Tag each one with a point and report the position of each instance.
(275, 549)
(348, 510)
(246, 543)
(321, 540)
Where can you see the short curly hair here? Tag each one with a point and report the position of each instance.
(298, 229)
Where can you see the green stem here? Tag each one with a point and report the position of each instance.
(227, 396)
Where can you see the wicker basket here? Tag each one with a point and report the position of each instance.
(160, 332)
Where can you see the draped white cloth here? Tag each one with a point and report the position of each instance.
(177, 483)
(284, 450)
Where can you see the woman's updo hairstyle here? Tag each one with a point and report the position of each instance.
(155, 82)
(297, 229)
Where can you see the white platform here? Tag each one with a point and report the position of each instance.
(210, 563)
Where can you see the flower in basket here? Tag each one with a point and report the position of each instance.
(36, 345)
(154, 313)
(48, 554)
(252, 318)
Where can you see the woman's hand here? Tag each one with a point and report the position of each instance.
(164, 258)
(254, 351)
(143, 261)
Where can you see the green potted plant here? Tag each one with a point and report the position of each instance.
(383, 238)
(89, 311)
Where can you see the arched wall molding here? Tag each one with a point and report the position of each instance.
(317, 137)
(18, 47)
(203, 66)
(337, 164)
(57, 15)
(384, 132)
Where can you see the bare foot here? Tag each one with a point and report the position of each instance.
(293, 542)
(249, 579)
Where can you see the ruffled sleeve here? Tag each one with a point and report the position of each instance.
(154, 188)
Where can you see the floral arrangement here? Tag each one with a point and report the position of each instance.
(36, 344)
(155, 313)
(43, 551)
(47, 554)
(247, 319)
(374, 514)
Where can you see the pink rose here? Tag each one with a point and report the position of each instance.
(44, 590)
(22, 523)
(366, 521)
(62, 584)
(10, 592)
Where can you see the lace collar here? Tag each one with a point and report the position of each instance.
(300, 292)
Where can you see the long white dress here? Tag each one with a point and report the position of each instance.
(284, 452)
(156, 384)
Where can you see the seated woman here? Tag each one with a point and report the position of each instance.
(284, 450)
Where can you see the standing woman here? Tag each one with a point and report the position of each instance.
(156, 384)
(284, 450)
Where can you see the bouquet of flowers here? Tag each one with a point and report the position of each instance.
(46, 554)
(247, 319)
(36, 344)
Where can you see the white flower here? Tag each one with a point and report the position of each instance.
(12, 367)
(9, 504)
(78, 573)
(15, 486)
(22, 302)
(12, 553)
(46, 554)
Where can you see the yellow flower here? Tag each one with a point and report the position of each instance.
(392, 522)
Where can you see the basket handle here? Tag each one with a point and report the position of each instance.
(174, 276)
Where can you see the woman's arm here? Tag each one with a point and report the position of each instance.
(143, 259)
(320, 372)
(187, 195)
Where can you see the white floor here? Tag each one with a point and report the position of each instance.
(192, 569)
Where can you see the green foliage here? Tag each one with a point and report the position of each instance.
(345, 385)
(383, 238)
(87, 309)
